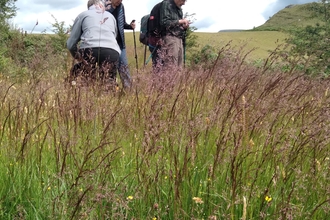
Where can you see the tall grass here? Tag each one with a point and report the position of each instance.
(227, 142)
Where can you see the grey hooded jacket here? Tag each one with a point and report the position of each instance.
(93, 28)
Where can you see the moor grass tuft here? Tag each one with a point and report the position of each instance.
(225, 140)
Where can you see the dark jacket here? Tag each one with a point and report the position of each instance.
(119, 14)
(169, 19)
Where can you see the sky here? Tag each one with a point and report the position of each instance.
(209, 15)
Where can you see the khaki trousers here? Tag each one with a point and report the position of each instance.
(173, 52)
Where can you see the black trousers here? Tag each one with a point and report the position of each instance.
(157, 61)
(106, 59)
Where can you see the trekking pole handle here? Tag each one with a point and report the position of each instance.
(133, 21)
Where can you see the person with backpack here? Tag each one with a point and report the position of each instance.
(95, 49)
(116, 8)
(151, 34)
(155, 34)
(175, 26)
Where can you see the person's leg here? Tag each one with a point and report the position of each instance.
(180, 52)
(88, 63)
(171, 51)
(108, 61)
(152, 50)
(156, 60)
(159, 59)
(124, 70)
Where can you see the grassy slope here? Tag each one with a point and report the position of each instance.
(261, 42)
(296, 16)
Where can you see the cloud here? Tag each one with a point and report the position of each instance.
(280, 4)
(59, 4)
(29, 12)
(205, 22)
(239, 14)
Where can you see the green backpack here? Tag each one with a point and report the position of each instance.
(144, 29)
(150, 26)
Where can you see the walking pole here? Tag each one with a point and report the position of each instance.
(152, 54)
(145, 55)
(184, 49)
(136, 61)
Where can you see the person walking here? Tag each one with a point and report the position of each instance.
(155, 32)
(116, 8)
(96, 31)
(175, 26)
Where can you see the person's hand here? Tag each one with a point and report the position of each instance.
(133, 24)
(184, 22)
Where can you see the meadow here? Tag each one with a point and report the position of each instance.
(257, 44)
(230, 140)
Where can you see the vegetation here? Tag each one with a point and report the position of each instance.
(310, 45)
(227, 142)
(307, 30)
(291, 17)
(7, 11)
(240, 133)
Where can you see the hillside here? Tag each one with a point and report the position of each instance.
(290, 17)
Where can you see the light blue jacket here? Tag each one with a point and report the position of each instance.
(93, 28)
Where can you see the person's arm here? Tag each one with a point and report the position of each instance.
(169, 19)
(166, 16)
(75, 35)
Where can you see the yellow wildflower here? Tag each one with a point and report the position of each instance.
(130, 198)
(318, 164)
(207, 120)
(268, 199)
(198, 200)
(251, 143)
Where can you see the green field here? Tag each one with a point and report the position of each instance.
(261, 43)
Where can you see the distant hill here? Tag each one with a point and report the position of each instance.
(292, 16)
(231, 30)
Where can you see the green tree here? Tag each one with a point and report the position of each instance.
(190, 40)
(7, 11)
(311, 45)
(60, 37)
